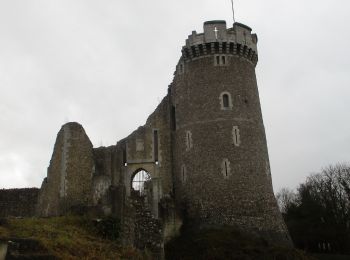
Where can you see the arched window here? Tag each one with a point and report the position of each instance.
(225, 101)
(140, 182)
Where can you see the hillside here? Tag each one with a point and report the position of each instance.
(66, 238)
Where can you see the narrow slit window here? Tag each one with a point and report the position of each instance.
(236, 136)
(189, 143)
(173, 118)
(155, 142)
(225, 168)
(217, 60)
(223, 58)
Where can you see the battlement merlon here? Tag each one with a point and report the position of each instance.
(216, 31)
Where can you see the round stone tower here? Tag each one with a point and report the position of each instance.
(221, 163)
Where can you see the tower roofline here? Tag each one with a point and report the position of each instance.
(242, 25)
(215, 22)
(218, 39)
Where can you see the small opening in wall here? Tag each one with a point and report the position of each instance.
(225, 100)
(194, 51)
(245, 50)
(231, 47)
(226, 171)
(239, 49)
(157, 162)
(187, 54)
(188, 140)
(125, 164)
(216, 47)
(201, 51)
(173, 118)
(224, 44)
(236, 136)
(181, 68)
(155, 144)
(246, 101)
(207, 46)
(217, 60)
(223, 58)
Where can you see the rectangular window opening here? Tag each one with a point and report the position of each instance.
(173, 118)
(236, 135)
(223, 60)
(155, 142)
(217, 60)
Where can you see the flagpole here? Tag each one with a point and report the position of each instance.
(233, 12)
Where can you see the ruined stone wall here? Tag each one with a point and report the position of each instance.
(204, 147)
(18, 202)
(141, 150)
(160, 120)
(69, 178)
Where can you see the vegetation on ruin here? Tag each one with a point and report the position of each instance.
(71, 237)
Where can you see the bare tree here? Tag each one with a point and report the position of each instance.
(318, 213)
(286, 198)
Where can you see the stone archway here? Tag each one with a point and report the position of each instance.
(141, 182)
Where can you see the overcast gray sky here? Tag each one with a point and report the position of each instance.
(106, 64)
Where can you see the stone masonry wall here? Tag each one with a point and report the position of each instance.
(220, 152)
(69, 178)
(18, 202)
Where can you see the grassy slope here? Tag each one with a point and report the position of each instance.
(67, 237)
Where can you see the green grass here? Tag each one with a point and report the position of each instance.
(70, 237)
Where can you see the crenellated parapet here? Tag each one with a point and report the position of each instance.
(217, 39)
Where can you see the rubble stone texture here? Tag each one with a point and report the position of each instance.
(69, 177)
(18, 202)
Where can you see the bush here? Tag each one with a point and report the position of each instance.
(107, 228)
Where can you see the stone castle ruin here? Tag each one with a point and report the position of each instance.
(201, 157)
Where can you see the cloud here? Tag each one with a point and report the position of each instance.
(107, 64)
